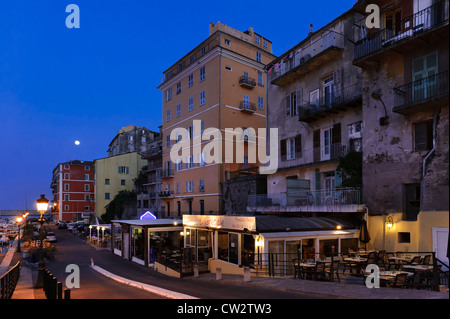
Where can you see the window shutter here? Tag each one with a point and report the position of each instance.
(288, 105)
(299, 102)
(283, 149)
(336, 137)
(338, 82)
(298, 146)
(316, 145)
(128, 170)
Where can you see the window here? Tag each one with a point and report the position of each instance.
(229, 68)
(291, 148)
(106, 181)
(86, 187)
(291, 105)
(423, 136)
(411, 201)
(86, 198)
(245, 102)
(168, 115)
(202, 74)
(178, 187)
(66, 176)
(178, 87)
(168, 95)
(168, 141)
(202, 97)
(260, 79)
(265, 44)
(66, 207)
(87, 177)
(227, 42)
(192, 58)
(66, 187)
(107, 196)
(189, 186)
(260, 102)
(191, 104)
(328, 91)
(66, 197)
(257, 39)
(424, 70)
(404, 237)
(202, 185)
(258, 56)
(190, 80)
(87, 168)
(123, 170)
(203, 50)
(122, 182)
(178, 110)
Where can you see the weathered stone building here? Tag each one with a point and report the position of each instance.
(130, 139)
(405, 115)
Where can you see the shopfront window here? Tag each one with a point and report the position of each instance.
(327, 247)
(137, 243)
(308, 249)
(233, 247)
(349, 244)
(248, 251)
(117, 237)
(163, 243)
(203, 245)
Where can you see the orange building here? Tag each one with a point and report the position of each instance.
(209, 95)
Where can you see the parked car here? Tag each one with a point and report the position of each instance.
(62, 225)
(51, 237)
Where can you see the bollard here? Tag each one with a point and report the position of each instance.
(92, 261)
(67, 294)
(60, 290)
(53, 287)
(196, 275)
(246, 274)
(218, 273)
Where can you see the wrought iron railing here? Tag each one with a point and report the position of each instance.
(335, 197)
(418, 91)
(247, 106)
(245, 80)
(8, 282)
(409, 27)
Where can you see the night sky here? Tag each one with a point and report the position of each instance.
(59, 85)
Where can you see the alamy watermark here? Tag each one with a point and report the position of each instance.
(73, 19)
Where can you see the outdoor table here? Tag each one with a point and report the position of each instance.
(357, 260)
(418, 267)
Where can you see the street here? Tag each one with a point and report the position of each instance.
(93, 285)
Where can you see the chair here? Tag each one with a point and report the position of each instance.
(335, 270)
(296, 264)
(389, 262)
(426, 260)
(382, 259)
(400, 281)
(415, 281)
(415, 260)
(319, 273)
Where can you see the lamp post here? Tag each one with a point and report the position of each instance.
(90, 234)
(19, 220)
(42, 206)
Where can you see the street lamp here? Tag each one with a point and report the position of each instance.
(42, 206)
(19, 220)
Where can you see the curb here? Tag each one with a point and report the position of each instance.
(153, 289)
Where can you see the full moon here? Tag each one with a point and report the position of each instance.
(77, 142)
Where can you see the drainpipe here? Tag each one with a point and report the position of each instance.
(434, 144)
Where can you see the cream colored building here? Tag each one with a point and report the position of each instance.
(221, 84)
(114, 174)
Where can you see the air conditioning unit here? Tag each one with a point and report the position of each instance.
(305, 58)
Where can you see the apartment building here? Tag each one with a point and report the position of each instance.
(131, 138)
(114, 174)
(73, 190)
(217, 88)
(405, 138)
(314, 99)
(148, 191)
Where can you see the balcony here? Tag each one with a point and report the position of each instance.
(302, 60)
(247, 82)
(166, 194)
(344, 200)
(322, 154)
(349, 97)
(413, 33)
(247, 107)
(421, 94)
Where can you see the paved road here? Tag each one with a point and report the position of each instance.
(72, 250)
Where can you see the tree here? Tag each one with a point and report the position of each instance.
(116, 207)
(350, 167)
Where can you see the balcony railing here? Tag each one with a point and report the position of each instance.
(335, 197)
(410, 26)
(246, 106)
(300, 56)
(165, 194)
(423, 90)
(331, 102)
(318, 154)
(247, 82)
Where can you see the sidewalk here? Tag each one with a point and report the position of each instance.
(25, 290)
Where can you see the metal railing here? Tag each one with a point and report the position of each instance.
(415, 92)
(299, 56)
(336, 197)
(8, 282)
(409, 27)
(247, 106)
(245, 80)
(331, 100)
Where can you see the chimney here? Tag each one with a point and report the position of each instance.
(310, 29)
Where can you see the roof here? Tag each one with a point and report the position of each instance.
(273, 223)
(148, 222)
